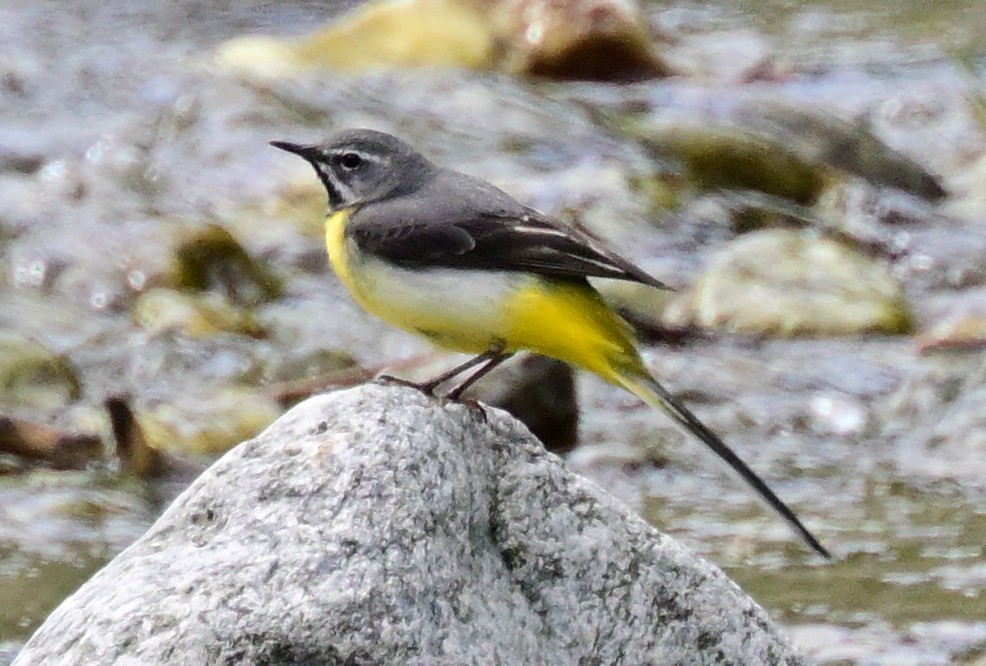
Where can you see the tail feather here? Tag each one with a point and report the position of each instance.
(650, 391)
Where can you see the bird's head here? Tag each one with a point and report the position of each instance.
(360, 166)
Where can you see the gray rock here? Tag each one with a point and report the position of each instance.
(375, 526)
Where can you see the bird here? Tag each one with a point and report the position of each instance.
(460, 262)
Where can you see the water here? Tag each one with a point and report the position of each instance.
(115, 131)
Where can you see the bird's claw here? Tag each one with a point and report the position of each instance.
(428, 388)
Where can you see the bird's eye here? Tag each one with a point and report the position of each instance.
(350, 161)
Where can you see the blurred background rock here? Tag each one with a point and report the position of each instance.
(809, 176)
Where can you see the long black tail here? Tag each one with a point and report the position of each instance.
(650, 391)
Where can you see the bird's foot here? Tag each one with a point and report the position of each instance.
(428, 388)
(473, 405)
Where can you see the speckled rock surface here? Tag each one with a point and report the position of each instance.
(376, 526)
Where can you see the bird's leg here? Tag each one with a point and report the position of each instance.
(496, 357)
(428, 387)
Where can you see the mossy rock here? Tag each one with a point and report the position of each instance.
(779, 150)
(788, 283)
(210, 258)
(726, 157)
(31, 375)
(207, 424)
(194, 315)
(603, 40)
(372, 36)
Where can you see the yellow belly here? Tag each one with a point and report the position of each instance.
(570, 322)
(471, 311)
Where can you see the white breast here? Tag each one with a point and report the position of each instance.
(456, 308)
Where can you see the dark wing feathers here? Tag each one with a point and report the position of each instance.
(534, 243)
(425, 243)
(518, 240)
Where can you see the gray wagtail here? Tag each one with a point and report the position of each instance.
(460, 262)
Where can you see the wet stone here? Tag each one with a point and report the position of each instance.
(207, 424)
(194, 315)
(210, 258)
(31, 375)
(722, 156)
(580, 39)
(787, 283)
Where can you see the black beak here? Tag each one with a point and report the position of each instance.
(316, 157)
(310, 153)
